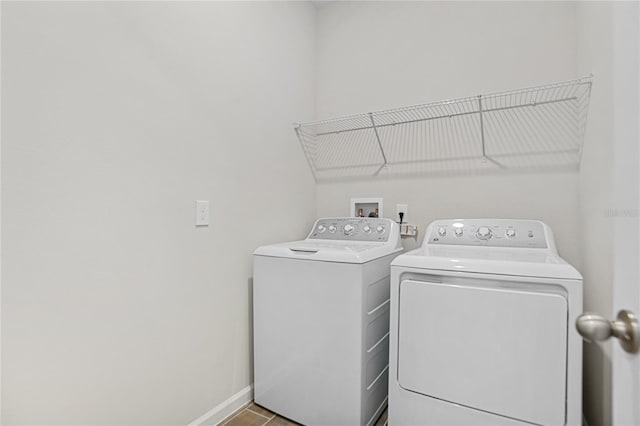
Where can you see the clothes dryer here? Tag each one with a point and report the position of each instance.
(482, 328)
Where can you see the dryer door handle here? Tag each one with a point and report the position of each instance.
(593, 327)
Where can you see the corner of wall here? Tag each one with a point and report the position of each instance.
(594, 56)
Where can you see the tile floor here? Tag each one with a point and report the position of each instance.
(255, 415)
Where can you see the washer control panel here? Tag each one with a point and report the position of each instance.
(352, 229)
(488, 232)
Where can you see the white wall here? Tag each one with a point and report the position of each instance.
(594, 56)
(379, 55)
(116, 118)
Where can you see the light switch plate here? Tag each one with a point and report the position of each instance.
(202, 213)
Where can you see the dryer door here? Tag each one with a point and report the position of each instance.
(495, 347)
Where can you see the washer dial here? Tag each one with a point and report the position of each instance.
(484, 233)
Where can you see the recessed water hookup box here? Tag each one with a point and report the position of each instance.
(366, 207)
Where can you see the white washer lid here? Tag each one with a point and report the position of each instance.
(329, 250)
(489, 260)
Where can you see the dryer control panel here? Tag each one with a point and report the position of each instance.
(489, 232)
(353, 229)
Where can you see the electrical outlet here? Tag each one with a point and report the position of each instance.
(402, 208)
(202, 213)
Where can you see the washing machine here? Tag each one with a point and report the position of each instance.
(482, 328)
(321, 322)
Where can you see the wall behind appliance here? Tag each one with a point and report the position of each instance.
(379, 55)
(594, 55)
(116, 117)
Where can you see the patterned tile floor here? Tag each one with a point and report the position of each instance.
(255, 415)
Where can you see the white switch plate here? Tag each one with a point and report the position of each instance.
(402, 208)
(202, 213)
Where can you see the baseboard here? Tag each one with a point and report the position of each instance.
(226, 408)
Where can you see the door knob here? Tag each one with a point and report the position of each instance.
(593, 327)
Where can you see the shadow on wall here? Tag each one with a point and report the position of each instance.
(250, 335)
(596, 375)
(476, 166)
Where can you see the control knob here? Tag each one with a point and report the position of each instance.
(442, 231)
(348, 229)
(483, 232)
(510, 233)
(321, 229)
(366, 229)
(332, 228)
(380, 229)
(458, 232)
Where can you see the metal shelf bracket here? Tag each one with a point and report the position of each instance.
(384, 157)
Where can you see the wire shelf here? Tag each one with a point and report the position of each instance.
(538, 127)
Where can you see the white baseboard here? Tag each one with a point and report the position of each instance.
(226, 408)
